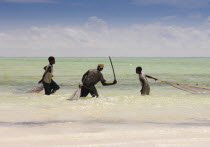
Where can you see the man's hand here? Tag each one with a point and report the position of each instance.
(115, 82)
(155, 79)
(80, 84)
(41, 81)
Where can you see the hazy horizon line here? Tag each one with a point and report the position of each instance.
(104, 57)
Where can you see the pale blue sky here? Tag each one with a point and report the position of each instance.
(74, 24)
(16, 13)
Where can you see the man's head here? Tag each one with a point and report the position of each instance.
(100, 67)
(51, 59)
(138, 70)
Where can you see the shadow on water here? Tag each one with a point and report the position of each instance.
(43, 123)
(189, 124)
(35, 123)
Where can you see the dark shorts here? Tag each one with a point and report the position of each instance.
(85, 91)
(50, 87)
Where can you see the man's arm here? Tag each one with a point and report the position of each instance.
(142, 84)
(103, 81)
(108, 84)
(84, 76)
(151, 77)
(48, 69)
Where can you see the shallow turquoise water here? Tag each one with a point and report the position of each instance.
(120, 103)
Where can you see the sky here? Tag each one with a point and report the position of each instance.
(99, 28)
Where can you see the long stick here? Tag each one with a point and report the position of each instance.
(112, 67)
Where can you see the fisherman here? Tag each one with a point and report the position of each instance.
(90, 79)
(145, 90)
(49, 85)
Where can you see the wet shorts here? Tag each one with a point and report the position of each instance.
(85, 91)
(50, 87)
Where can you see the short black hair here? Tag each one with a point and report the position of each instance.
(139, 68)
(51, 58)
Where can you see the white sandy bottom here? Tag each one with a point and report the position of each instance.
(102, 134)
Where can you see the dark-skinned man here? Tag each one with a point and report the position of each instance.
(50, 86)
(145, 90)
(90, 79)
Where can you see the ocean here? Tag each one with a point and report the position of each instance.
(168, 117)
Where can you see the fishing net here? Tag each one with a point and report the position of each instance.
(36, 89)
(187, 88)
(75, 95)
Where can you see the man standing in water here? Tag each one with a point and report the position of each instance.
(145, 90)
(90, 79)
(50, 86)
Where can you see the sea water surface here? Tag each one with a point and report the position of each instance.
(119, 117)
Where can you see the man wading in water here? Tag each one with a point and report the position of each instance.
(90, 79)
(145, 90)
(50, 86)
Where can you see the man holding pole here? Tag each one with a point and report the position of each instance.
(90, 79)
